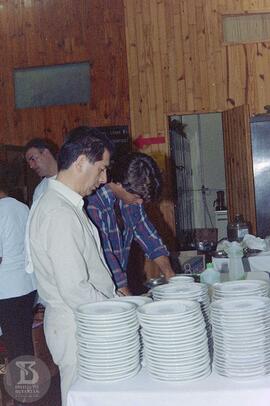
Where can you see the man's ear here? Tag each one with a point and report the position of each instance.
(47, 152)
(80, 162)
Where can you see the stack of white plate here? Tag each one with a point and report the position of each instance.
(175, 340)
(108, 340)
(181, 278)
(241, 332)
(137, 301)
(187, 291)
(238, 289)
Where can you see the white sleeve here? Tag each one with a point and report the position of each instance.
(40, 189)
(1, 237)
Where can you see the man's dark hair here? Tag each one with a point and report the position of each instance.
(80, 142)
(41, 144)
(9, 175)
(139, 174)
(91, 132)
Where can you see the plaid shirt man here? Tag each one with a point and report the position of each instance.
(116, 243)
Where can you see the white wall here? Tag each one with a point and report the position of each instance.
(207, 155)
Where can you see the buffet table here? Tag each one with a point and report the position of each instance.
(143, 390)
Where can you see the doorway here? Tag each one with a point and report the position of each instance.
(197, 153)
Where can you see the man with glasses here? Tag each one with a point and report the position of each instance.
(40, 155)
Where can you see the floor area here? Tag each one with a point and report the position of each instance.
(52, 398)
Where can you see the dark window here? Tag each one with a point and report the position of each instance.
(52, 85)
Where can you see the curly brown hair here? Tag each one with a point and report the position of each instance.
(139, 174)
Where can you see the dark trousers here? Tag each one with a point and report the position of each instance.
(16, 318)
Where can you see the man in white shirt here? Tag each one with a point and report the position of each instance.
(66, 251)
(40, 154)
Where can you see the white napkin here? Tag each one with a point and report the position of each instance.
(255, 243)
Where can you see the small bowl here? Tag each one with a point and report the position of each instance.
(153, 282)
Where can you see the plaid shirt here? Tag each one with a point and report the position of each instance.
(116, 244)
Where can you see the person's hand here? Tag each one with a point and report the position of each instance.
(168, 273)
(164, 266)
(124, 291)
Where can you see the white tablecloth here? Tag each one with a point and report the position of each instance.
(144, 391)
(260, 262)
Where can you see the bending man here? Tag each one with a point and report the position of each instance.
(117, 211)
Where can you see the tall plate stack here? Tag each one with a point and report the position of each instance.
(188, 291)
(241, 331)
(108, 341)
(238, 289)
(175, 340)
(137, 301)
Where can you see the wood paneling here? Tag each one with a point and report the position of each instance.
(238, 164)
(178, 64)
(47, 32)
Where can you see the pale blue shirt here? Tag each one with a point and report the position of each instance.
(14, 281)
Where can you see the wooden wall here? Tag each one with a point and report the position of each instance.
(46, 32)
(238, 167)
(178, 64)
(150, 59)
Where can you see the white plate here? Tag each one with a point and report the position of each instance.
(110, 320)
(91, 343)
(104, 350)
(181, 278)
(106, 339)
(114, 358)
(110, 351)
(105, 309)
(244, 373)
(112, 365)
(172, 358)
(242, 305)
(117, 319)
(113, 355)
(179, 361)
(180, 378)
(108, 377)
(137, 300)
(111, 331)
(167, 308)
(188, 346)
(234, 284)
(178, 321)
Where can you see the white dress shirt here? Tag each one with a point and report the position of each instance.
(38, 192)
(14, 281)
(41, 187)
(65, 250)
